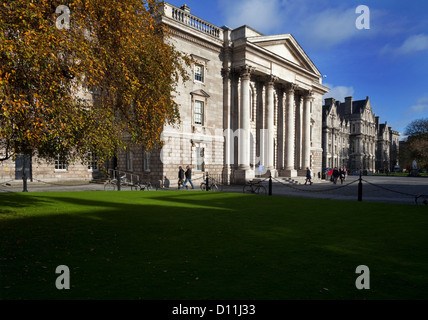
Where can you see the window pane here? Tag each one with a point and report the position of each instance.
(60, 163)
(199, 73)
(200, 159)
(199, 112)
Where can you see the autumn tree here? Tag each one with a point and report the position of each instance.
(100, 83)
(416, 147)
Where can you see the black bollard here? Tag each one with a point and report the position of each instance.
(24, 181)
(118, 182)
(270, 185)
(360, 189)
(206, 183)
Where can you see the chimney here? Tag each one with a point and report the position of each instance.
(348, 105)
(185, 8)
(329, 102)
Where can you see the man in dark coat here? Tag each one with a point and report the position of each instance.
(188, 177)
(336, 174)
(308, 176)
(180, 176)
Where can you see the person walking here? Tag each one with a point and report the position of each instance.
(308, 176)
(180, 176)
(336, 174)
(342, 175)
(188, 174)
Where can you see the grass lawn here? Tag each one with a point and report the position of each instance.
(202, 245)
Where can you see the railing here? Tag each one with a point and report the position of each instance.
(222, 178)
(129, 177)
(192, 21)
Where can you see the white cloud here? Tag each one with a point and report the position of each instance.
(331, 26)
(414, 43)
(339, 93)
(320, 25)
(262, 15)
(421, 106)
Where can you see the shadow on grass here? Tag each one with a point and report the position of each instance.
(207, 246)
(10, 202)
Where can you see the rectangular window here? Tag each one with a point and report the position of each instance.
(92, 162)
(60, 163)
(146, 161)
(199, 112)
(199, 73)
(128, 161)
(200, 159)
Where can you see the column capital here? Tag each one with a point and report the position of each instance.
(246, 71)
(271, 79)
(226, 73)
(291, 88)
(309, 95)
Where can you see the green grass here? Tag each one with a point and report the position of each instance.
(201, 245)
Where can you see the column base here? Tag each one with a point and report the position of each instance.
(242, 176)
(227, 175)
(271, 171)
(289, 173)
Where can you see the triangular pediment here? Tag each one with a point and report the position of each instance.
(286, 47)
(201, 93)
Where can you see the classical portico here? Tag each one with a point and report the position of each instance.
(262, 92)
(280, 127)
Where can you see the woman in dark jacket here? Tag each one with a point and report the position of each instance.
(308, 176)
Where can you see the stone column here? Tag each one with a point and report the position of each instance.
(307, 130)
(325, 147)
(244, 173)
(270, 122)
(227, 125)
(289, 146)
(244, 142)
(298, 132)
(280, 129)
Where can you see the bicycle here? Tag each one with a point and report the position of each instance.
(143, 186)
(212, 185)
(254, 187)
(111, 184)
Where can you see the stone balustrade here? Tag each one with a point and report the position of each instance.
(192, 21)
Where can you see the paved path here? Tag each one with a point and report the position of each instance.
(381, 189)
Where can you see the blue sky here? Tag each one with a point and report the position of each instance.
(388, 62)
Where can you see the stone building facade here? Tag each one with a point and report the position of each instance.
(253, 107)
(354, 138)
(40, 170)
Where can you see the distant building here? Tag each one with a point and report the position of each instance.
(354, 138)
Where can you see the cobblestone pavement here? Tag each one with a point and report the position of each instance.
(381, 189)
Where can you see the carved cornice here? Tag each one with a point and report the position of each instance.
(185, 36)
